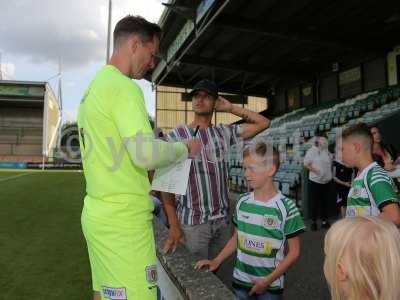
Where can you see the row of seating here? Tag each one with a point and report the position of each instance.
(293, 131)
(379, 114)
(368, 108)
(306, 124)
(21, 158)
(25, 149)
(377, 98)
(21, 135)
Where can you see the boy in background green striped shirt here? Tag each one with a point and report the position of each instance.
(264, 219)
(372, 192)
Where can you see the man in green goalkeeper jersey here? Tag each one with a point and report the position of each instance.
(117, 149)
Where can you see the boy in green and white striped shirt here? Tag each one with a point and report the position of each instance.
(264, 220)
(372, 192)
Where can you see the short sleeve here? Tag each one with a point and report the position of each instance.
(382, 188)
(234, 216)
(334, 169)
(129, 112)
(294, 224)
(172, 136)
(237, 208)
(308, 158)
(231, 132)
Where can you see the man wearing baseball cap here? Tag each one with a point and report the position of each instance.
(199, 218)
(207, 86)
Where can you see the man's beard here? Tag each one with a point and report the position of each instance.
(204, 113)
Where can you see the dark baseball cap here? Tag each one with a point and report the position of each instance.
(207, 86)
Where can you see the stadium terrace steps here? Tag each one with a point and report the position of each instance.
(25, 149)
(21, 140)
(21, 158)
(294, 130)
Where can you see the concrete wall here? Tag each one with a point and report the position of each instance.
(183, 281)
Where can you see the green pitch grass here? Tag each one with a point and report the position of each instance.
(42, 250)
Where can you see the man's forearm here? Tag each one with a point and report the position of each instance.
(253, 124)
(309, 168)
(337, 180)
(149, 153)
(168, 201)
(249, 116)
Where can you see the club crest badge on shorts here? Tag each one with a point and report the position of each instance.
(151, 274)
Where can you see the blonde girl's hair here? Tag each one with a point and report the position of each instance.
(369, 250)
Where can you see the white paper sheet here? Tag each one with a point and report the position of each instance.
(172, 179)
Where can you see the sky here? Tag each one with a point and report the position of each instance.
(36, 35)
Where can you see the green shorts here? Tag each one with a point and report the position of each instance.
(122, 258)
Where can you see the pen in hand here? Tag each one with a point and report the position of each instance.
(194, 144)
(197, 129)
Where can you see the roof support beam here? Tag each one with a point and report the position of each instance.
(195, 74)
(180, 76)
(245, 77)
(228, 78)
(188, 13)
(274, 31)
(257, 82)
(199, 32)
(245, 68)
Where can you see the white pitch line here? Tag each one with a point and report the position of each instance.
(13, 177)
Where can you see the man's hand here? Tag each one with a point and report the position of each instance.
(223, 105)
(211, 264)
(175, 236)
(316, 172)
(311, 169)
(194, 147)
(260, 286)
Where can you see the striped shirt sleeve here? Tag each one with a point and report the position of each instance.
(232, 132)
(234, 216)
(241, 198)
(382, 187)
(294, 224)
(172, 137)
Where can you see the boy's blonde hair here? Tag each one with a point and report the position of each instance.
(262, 151)
(369, 250)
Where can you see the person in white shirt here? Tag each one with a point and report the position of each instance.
(318, 161)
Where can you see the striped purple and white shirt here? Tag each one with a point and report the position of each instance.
(207, 193)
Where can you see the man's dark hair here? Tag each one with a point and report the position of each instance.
(360, 130)
(135, 25)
